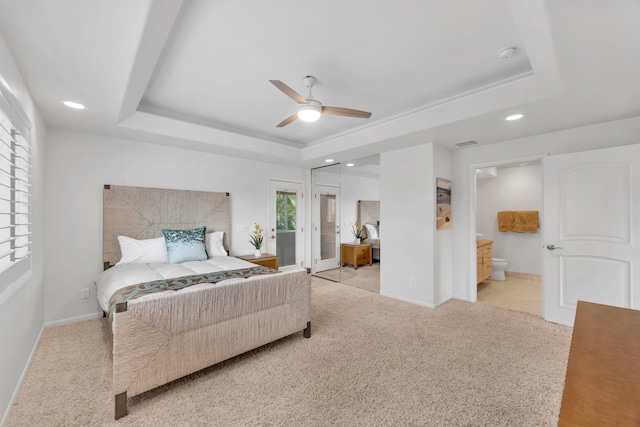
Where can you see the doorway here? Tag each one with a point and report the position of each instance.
(509, 187)
(589, 240)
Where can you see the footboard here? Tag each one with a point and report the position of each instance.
(165, 336)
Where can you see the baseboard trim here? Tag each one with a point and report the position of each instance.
(409, 300)
(16, 391)
(72, 320)
(525, 276)
(442, 301)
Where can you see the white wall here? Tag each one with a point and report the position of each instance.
(610, 134)
(407, 212)
(79, 164)
(21, 304)
(514, 188)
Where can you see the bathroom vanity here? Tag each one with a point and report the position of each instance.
(484, 259)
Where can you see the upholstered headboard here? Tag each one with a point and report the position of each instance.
(142, 213)
(369, 211)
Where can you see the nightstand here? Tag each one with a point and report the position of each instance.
(267, 260)
(356, 254)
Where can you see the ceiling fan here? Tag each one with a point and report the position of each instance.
(310, 110)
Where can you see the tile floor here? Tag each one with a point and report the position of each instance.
(519, 294)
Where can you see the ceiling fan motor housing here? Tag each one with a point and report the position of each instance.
(308, 81)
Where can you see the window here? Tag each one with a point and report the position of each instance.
(286, 211)
(15, 201)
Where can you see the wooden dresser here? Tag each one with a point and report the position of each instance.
(484, 260)
(602, 387)
(267, 260)
(356, 254)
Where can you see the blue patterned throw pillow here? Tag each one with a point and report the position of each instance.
(185, 245)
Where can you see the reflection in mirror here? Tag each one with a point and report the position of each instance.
(326, 222)
(346, 208)
(360, 213)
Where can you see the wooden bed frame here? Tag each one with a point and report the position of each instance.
(168, 335)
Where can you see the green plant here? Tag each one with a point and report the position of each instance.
(256, 239)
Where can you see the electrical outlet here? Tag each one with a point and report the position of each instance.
(413, 281)
(84, 294)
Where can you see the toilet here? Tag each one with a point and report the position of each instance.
(497, 268)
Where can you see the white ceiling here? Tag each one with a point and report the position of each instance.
(195, 73)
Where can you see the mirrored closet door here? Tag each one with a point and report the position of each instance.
(326, 222)
(346, 223)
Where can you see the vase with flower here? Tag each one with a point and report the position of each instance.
(357, 231)
(256, 240)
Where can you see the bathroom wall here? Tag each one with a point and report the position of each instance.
(516, 187)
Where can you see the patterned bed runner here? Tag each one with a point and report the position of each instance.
(131, 292)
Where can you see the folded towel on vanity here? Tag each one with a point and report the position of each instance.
(518, 221)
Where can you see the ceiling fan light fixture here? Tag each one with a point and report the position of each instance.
(310, 112)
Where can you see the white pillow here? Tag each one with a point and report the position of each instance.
(214, 245)
(142, 251)
(372, 233)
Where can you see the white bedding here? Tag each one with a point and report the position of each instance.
(374, 242)
(120, 276)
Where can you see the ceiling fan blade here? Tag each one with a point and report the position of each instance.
(338, 111)
(287, 120)
(289, 92)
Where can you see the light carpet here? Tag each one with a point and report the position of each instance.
(371, 361)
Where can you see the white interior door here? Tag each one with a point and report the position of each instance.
(285, 236)
(326, 227)
(591, 230)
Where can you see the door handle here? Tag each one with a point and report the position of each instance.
(553, 248)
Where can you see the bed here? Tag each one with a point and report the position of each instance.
(162, 336)
(369, 217)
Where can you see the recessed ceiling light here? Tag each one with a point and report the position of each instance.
(514, 117)
(349, 164)
(507, 52)
(74, 105)
(329, 160)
